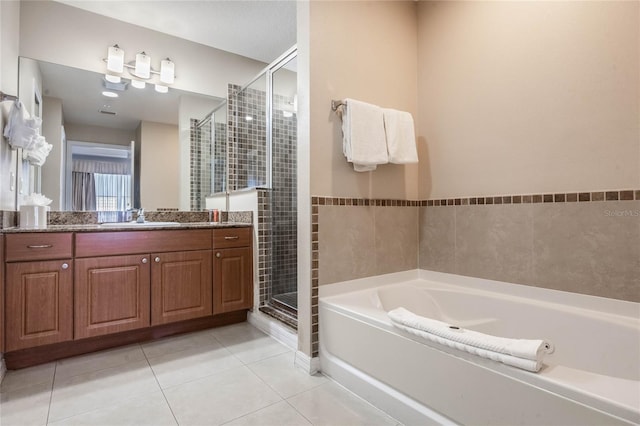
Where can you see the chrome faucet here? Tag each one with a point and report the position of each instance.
(140, 218)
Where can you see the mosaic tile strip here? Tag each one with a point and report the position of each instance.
(563, 197)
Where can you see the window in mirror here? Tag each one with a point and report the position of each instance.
(98, 176)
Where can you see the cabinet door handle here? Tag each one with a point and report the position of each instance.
(218, 254)
(145, 260)
(157, 259)
(65, 266)
(232, 238)
(35, 246)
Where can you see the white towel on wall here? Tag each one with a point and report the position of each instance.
(21, 130)
(527, 354)
(364, 143)
(401, 137)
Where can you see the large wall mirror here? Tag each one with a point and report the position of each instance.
(130, 143)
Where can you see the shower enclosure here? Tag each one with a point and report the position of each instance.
(254, 139)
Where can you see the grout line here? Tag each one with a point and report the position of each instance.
(53, 382)
(159, 385)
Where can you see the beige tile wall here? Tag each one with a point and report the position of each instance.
(362, 241)
(590, 248)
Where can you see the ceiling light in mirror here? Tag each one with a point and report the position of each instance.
(161, 89)
(138, 84)
(109, 94)
(112, 78)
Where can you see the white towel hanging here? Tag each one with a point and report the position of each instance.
(401, 138)
(364, 142)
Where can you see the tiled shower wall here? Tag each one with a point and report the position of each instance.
(199, 164)
(202, 164)
(247, 137)
(277, 206)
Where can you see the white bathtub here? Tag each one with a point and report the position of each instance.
(592, 377)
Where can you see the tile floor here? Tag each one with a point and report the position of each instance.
(233, 375)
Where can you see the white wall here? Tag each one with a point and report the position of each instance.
(364, 50)
(52, 170)
(158, 167)
(83, 133)
(529, 97)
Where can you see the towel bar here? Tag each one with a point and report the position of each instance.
(7, 97)
(337, 104)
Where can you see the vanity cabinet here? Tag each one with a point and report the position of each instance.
(73, 293)
(150, 284)
(112, 294)
(180, 286)
(39, 293)
(233, 270)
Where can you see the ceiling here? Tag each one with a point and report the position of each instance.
(258, 29)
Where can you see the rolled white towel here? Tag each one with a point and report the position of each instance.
(521, 349)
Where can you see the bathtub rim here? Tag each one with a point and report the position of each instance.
(613, 307)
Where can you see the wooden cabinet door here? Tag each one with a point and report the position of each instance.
(39, 303)
(233, 279)
(180, 286)
(112, 294)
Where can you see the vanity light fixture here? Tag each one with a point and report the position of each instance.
(140, 69)
(143, 65)
(167, 71)
(115, 59)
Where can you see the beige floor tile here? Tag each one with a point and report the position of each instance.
(90, 391)
(169, 345)
(98, 361)
(40, 374)
(248, 343)
(279, 414)
(25, 406)
(219, 398)
(330, 404)
(284, 377)
(151, 410)
(191, 364)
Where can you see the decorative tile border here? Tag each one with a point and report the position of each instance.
(569, 197)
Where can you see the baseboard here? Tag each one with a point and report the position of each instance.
(306, 363)
(274, 328)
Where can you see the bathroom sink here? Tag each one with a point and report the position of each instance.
(137, 224)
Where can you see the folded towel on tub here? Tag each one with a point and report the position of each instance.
(364, 143)
(522, 353)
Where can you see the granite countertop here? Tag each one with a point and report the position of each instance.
(127, 227)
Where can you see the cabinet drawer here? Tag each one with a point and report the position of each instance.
(38, 246)
(231, 237)
(131, 242)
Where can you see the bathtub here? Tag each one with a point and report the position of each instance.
(591, 378)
